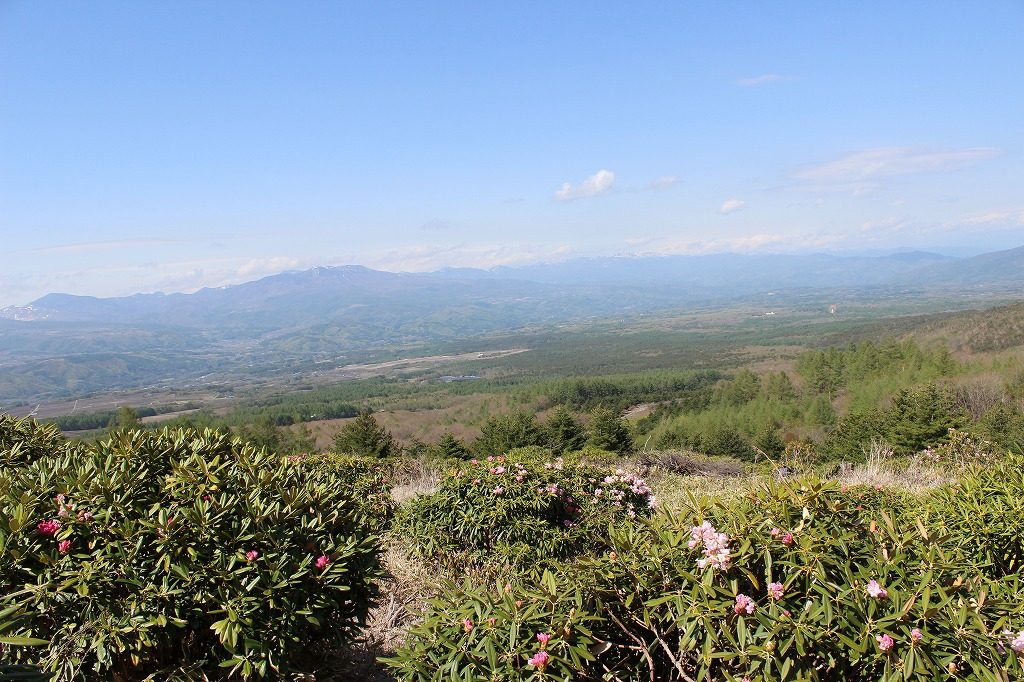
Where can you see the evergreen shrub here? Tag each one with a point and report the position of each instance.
(180, 553)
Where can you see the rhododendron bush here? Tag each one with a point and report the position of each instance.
(798, 581)
(179, 552)
(521, 510)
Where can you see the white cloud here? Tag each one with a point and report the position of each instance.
(998, 216)
(257, 267)
(664, 182)
(436, 225)
(763, 79)
(884, 162)
(739, 244)
(731, 206)
(428, 257)
(597, 184)
(885, 225)
(82, 247)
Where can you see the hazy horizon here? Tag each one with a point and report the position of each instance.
(244, 279)
(171, 148)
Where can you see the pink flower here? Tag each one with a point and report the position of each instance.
(776, 590)
(490, 458)
(499, 490)
(876, 591)
(252, 554)
(474, 461)
(716, 546)
(467, 625)
(322, 561)
(543, 638)
(63, 512)
(786, 613)
(48, 527)
(885, 642)
(539, 659)
(916, 635)
(787, 539)
(64, 546)
(1017, 643)
(775, 532)
(744, 604)
(491, 622)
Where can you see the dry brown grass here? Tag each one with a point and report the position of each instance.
(404, 592)
(459, 415)
(883, 469)
(416, 477)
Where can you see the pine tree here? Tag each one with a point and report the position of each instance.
(450, 447)
(608, 431)
(364, 436)
(563, 432)
(499, 434)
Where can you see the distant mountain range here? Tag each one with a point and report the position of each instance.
(62, 343)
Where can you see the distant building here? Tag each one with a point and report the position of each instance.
(832, 309)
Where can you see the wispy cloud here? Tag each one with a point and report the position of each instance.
(664, 182)
(597, 184)
(82, 247)
(763, 79)
(436, 225)
(257, 267)
(885, 162)
(884, 226)
(1007, 216)
(749, 243)
(428, 257)
(731, 206)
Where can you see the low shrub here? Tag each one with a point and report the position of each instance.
(517, 511)
(367, 479)
(981, 516)
(792, 582)
(26, 440)
(180, 553)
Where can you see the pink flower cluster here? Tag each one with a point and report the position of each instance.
(876, 591)
(715, 545)
(885, 642)
(251, 555)
(633, 483)
(48, 527)
(539, 660)
(744, 604)
(1017, 643)
(322, 561)
(776, 590)
(784, 538)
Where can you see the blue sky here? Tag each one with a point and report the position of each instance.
(170, 146)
